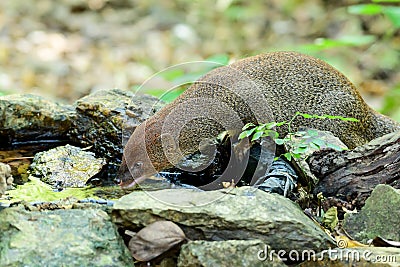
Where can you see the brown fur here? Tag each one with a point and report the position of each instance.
(267, 87)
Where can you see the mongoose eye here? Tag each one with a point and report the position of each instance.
(138, 165)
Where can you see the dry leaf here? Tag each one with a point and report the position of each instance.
(155, 239)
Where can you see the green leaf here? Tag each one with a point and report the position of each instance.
(248, 125)
(315, 146)
(257, 136)
(349, 119)
(319, 142)
(271, 133)
(281, 123)
(355, 40)
(270, 125)
(393, 14)
(279, 141)
(312, 132)
(306, 116)
(246, 133)
(222, 59)
(172, 74)
(333, 117)
(260, 128)
(242, 135)
(321, 117)
(288, 156)
(365, 9)
(386, 1)
(275, 135)
(169, 96)
(303, 145)
(296, 155)
(250, 132)
(300, 150)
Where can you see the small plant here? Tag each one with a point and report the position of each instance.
(309, 138)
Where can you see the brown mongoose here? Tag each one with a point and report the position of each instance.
(258, 89)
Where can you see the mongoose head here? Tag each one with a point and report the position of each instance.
(143, 155)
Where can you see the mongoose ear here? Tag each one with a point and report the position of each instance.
(168, 142)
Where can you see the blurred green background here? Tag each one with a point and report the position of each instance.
(68, 48)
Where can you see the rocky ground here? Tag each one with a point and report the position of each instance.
(164, 224)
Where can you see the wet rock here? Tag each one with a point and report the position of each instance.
(105, 120)
(60, 238)
(32, 119)
(227, 253)
(66, 166)
(239, 213)
(6, 178)
(107, 117)
(371, 256)
(379, 217)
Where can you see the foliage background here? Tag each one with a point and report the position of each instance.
(68, 48)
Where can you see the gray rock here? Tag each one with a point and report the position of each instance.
(66, 166)
(105, 118)
(227, 253)
(29, 118)
(371, 256)
(6, 178)
(239, 213)
(379, 217)
(60, 238)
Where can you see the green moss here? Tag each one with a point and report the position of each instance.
(35, 190)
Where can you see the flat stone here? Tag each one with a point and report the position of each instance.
(239, 213)
(66, 166)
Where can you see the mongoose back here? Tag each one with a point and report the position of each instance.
(268, 87)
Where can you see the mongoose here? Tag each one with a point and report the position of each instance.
(258, 89)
